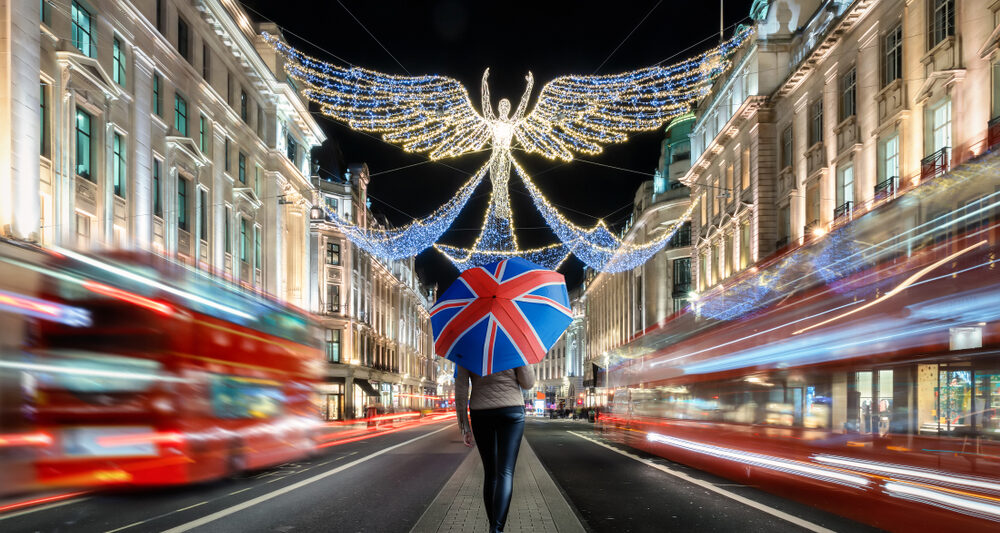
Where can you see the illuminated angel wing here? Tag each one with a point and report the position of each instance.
(430, 114)
(583, 113)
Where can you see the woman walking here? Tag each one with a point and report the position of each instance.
(497, 411)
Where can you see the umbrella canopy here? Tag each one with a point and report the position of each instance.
(499, 316)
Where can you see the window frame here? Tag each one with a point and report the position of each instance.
(203, 213)
(202, 133)
(180, 114)
(157, 188)
(892, 55)
(84, 39)
(816, 122)
(841, 184)
(88, 174)
(241, 167)
(157, 94)
(787, 144)
(119, 166)
(333, 253)
(940, 21)
(244, 241)
(848, 93)
(182, 203)
(184, 38)
(118, 62)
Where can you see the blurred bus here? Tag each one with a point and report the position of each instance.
(859, 373)
(173, 377)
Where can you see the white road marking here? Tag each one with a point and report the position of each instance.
(43, 507)
(239, 491)
(709, 486)
(140, 522)
(284, 490)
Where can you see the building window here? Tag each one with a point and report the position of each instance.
(244, 241)
(845, 190)
(256, 246)
(243, 106)
(226, 157)
(812, 204)
(228, 230)
(892, 61)
(718, 272)
(332, 253)
(118, 62)
(182, 204)
(333, 345)
(332, 298)
(160, 15)
(256, 180)
(995, 111)
(157, 189)
(206, 61)
(784, 225)
(203, 214)
(745, 243)
(83, 31)
(82, 231)
(183, 39)
(682, 237)
(786, 147)
(180, 115)
(118, 166)
(816, 122)
(157, 100)
(84, 150)
(728, 258)
(242, 168)
(43, 11)
(941, 126)
(729, 181)
(260, 121)
(745, 177)
(202, 134)
(43, 120)
(229, 88)
(703, 220)
(292, 148)
(942, 21)
(848, 93)
(332, 203)
(888, 160)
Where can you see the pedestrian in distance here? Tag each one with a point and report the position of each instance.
(496, 409)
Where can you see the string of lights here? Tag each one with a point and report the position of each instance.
(411, 239)
(573, 114)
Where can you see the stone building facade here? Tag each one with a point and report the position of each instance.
(379, 343)
(832, 109)
(618, 307)
(158, 125)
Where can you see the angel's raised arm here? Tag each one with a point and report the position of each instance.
(523, 106)
(487, 106)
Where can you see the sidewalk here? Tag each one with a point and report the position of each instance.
(537, 504)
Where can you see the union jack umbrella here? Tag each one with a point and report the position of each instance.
(500, 316)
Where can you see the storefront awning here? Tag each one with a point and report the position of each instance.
(367, 387)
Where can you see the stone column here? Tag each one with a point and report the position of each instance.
(141, 188)
(20, 146)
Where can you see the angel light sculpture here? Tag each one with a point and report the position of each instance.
(572, 115)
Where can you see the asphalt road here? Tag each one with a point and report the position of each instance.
(615, 493)
(384, 492)
(385, 483)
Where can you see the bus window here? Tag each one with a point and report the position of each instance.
(235, 398)
(92, 373)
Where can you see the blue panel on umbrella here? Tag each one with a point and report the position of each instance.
(457, 291)
(555, 292)
(513, 267)
(548, 322)
(441, 318)
(505, 355)
(468, 349)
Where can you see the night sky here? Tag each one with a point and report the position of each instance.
(461, 39)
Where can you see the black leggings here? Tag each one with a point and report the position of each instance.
(498, 436)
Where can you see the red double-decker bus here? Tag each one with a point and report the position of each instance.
(168, 376)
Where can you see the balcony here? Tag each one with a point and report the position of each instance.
(886, 189)
(993, 132)
(934, 165)
(786, 181)
(843, 212)
(847, 134)
(808, 229)
(781, 243)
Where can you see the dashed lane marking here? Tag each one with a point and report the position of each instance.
(157, 517)
(43, 508)
(709, 486)
(284, 490)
